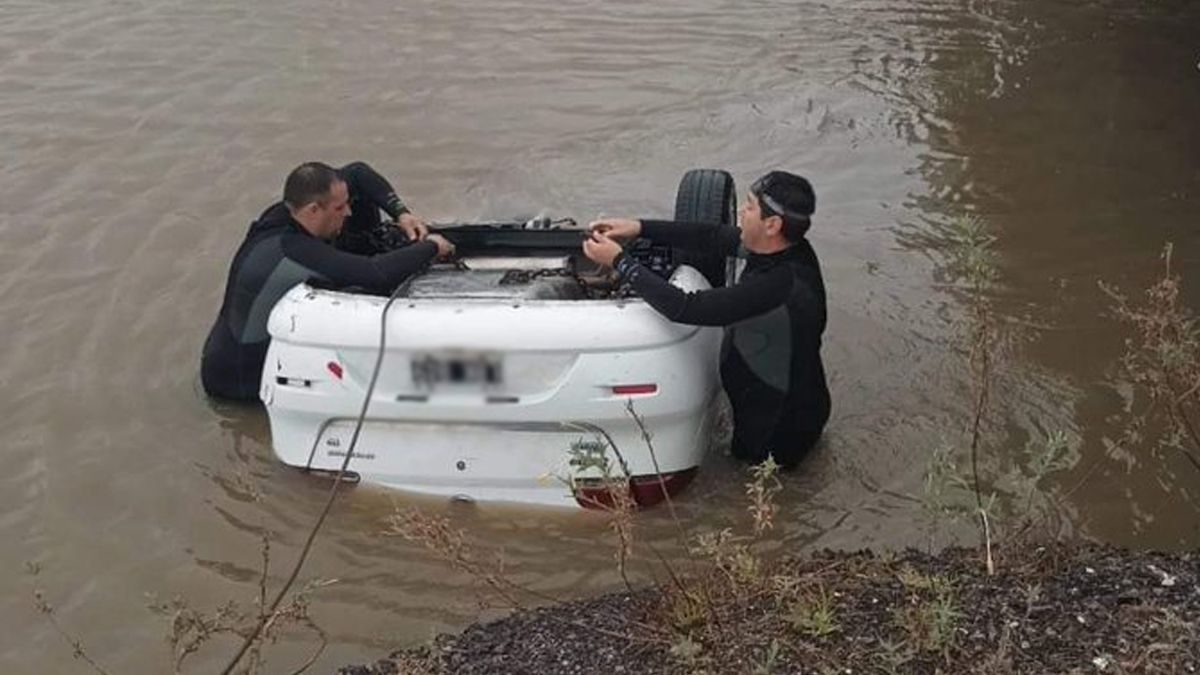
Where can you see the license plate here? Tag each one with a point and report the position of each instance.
(484, 369)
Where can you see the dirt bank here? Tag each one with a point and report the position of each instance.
(1057, 609)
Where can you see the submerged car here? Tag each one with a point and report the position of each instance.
(513, 374)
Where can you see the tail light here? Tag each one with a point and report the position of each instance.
(635, 389)
(646, 490)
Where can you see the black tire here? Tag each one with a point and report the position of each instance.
(706, 196)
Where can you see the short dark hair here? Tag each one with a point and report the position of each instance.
(790, 197)
(310, 182)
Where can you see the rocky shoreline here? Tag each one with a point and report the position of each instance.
(1048, 609)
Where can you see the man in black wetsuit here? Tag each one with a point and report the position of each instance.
(290, 243)
(774, 316)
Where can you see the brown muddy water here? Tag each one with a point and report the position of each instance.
(138, 138)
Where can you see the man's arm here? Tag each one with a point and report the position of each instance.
(705, 237)
(714, 307)
(384, 271)
(365, 181)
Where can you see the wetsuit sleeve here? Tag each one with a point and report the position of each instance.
(706, 237)
(384, 271)
(365, 181)
(754, 295)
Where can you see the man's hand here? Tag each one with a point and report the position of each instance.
(617, 228)
(414, 227)
(600, 249)
(445, 248)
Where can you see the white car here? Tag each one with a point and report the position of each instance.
(500, 370)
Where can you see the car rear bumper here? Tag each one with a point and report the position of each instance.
(467, 442)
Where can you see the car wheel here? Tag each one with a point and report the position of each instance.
(706, 196)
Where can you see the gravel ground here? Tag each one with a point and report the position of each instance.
(1055, 609)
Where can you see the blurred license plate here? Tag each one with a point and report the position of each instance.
(477, 369)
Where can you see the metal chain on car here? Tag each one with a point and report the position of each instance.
(513, 277)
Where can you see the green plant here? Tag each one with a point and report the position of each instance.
(893, 656)
(814, 615)
(1054, 454)
(591, 465)
(784, 588)
(686, 650)
(685, 607)
(971, 265)
(913, 580)
(769, 661)
(944, 485)
(959, 474)
(930, 623)
(943, 619)
(731, 557)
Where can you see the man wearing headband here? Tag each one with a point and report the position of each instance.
(290, 243)
(773, 316)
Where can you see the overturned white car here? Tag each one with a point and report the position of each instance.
(497, 370)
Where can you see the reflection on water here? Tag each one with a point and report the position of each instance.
(140, 137)
(1080, 188)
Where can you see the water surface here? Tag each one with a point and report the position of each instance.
(140, 137)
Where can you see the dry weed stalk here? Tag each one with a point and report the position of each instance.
(609, 492)
(728, 573)
(729, 570)
(1174, 639)
(701, 597)
(436, 534)
(621, 522)
(77, 649)
(725, 568)
(271, 613)
(190, 629)
(648, 439)
(730, 557)
(972, 264)
(975, 261)
(761, 490)
(618, 503)
(1163, 359)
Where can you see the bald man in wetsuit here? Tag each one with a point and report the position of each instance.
(293, 241)
(773, 316)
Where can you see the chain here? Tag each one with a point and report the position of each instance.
(514, 277)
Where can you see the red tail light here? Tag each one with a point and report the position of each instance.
(635, 389)
(646, 490)
(335, 368)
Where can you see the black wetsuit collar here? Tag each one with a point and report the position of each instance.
(794, 250)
